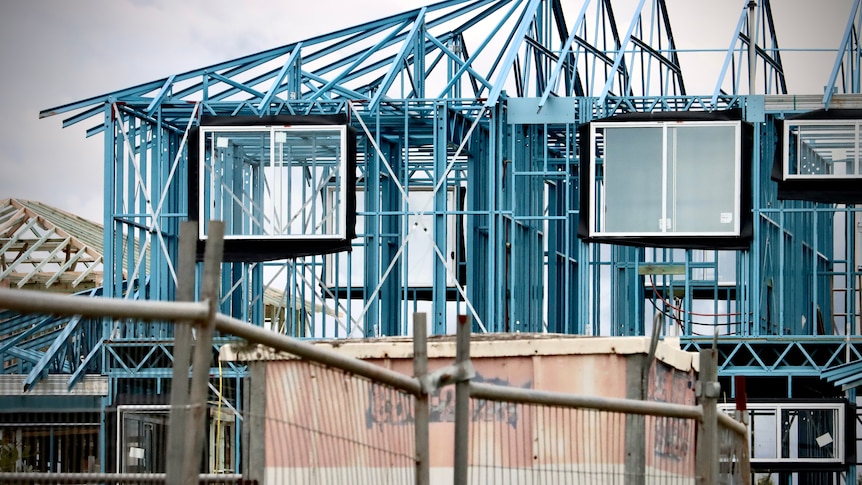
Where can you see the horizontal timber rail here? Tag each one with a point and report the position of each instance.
(31, 301)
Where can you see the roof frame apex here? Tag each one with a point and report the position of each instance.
(269, 54)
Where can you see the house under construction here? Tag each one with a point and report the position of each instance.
(537, 165)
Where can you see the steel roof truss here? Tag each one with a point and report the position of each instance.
(236, 84)
(407, 46)
(842, 50)
(364, 55)
(513, 45)
(11, 342)
(80, 371)
(279, 79)
(564, 54)
(465, 65)
(59, 342)
(166, 88)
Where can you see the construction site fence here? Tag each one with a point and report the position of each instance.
(313, 426)
(570, 439)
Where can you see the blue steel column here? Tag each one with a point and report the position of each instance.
(570, 239)
(108, 201)
(478, 221)
(556, 261)
(419, 61)
(557, 250)
(391, 227)
(496, 227)
(438, 290)
(372, 237)
(627, 287)
(176, 202)
(118, 164)
(255, 314)
(582, 324)
(108, 273)
(781, 262)
(526, 197)
(750, 304)
(157, 290)
(512, 198)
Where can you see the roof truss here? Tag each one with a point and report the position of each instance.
(466, 50)
(36, 251)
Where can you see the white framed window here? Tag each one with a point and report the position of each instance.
(665, 178)
(822, 149)
(271, 182)
(795, 432)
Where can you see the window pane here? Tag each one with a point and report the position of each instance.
(305, 163)
(808, 433)
(632, 179)
(763, 425)
(702, 169)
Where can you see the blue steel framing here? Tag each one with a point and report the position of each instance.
(490, 228)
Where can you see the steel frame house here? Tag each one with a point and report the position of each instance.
(468, 186)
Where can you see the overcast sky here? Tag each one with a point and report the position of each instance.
(54, 52)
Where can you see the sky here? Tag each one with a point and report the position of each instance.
(54, 52)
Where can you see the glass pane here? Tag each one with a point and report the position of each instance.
(144, 441)
(763, 425)
(702, 168)
(808, 433)
(632, 182)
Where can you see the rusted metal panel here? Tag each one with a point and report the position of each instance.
(324, 410)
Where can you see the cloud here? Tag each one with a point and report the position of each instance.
(57, 52)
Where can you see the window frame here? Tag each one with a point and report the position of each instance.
(836, 122)
(598, 231)
(340, 233)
